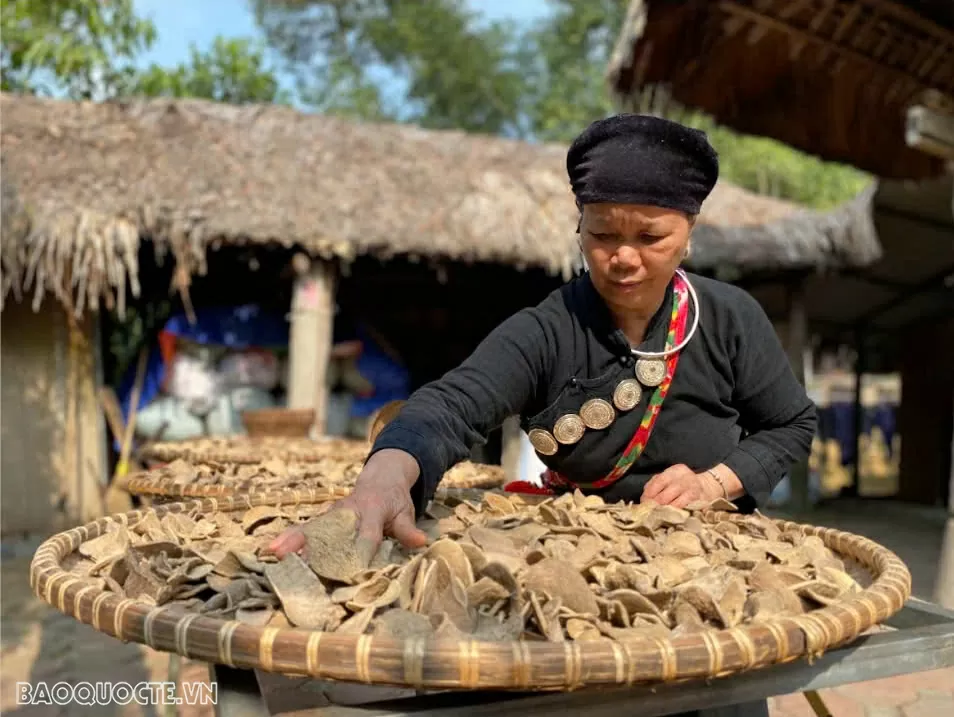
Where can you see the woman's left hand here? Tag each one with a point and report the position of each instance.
(679, 486)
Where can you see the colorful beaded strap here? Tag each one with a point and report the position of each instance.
(554, 482)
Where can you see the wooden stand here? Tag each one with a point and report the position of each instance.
(917, 638)
(312, 321)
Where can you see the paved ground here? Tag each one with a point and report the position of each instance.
(41, 645)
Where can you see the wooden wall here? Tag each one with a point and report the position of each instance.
(53, 451)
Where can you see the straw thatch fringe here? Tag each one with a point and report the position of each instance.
(844, 237)
(453, 664)
(95, 180)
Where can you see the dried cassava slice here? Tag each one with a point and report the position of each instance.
(357, 623)
(107, 547)
(486, 591)
(333, 548)
(557, 579)
(304, 599)
(455, 557)
(403, 624)
(377, 592)
(682, 544)
(258, 515)
(259, 617)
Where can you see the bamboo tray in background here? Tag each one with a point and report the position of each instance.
(337, 477)
(332, 463)
(454, 664)
(248, 450)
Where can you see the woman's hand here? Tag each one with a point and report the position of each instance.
(679, 486)
(382, 500)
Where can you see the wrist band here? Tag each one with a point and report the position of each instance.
(719, 480)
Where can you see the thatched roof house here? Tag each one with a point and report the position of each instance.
(189, 175)
(833, 79)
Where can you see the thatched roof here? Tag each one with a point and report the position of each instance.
(96, 179)
(834, 82)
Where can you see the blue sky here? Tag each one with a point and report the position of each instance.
(181, 23)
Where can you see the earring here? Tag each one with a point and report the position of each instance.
(687, 252)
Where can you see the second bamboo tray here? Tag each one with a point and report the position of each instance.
(335, 477)
(250, 450)
(455, 664)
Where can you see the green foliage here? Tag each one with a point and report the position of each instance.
(83, 48)
(232, 71)
(542, 82)
(769, 167)
(566, 58)
(454, 72)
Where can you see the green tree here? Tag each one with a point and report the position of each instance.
(84, 49)
(568, 53)
(434, 63)
(565, 59)
(431, 62)
(233, 71)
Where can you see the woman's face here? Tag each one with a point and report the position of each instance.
(632, 252)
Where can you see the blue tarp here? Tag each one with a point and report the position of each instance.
(391, 380)
(235, 327)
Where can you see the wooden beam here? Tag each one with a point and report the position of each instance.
(847, 21)
(312, 321)
(906, 15)
(731, 7)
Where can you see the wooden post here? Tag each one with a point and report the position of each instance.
(312, 321)
(510, 453)
(797, 341)
(944, 588)
(858, 422)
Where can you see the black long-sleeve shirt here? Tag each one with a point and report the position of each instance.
(734, 398)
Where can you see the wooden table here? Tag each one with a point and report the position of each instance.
(920, 638)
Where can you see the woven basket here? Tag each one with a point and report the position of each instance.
(156, 483)
(284, 422)
(452, 664)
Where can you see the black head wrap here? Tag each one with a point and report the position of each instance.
(640, 159)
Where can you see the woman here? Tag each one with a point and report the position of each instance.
(635, 380)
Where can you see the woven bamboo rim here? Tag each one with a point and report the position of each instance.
(152, 484)
(252, 450)
(145, 484)
(451, 664)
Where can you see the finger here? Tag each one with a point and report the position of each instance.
(371, 523)
(669, 495)
(291, 541)
(404, 530)
(656, 485)
(684, 499)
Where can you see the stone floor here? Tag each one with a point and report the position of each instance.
(41, 645)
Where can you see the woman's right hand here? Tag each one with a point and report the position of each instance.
(382, 500)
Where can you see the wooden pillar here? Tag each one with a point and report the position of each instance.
(312, 322)
(510, 453)
(797, 341)
(944, 588)
(858, 411)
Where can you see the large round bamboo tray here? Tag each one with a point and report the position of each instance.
(182, 480)
(254, 450)
(455, 664)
